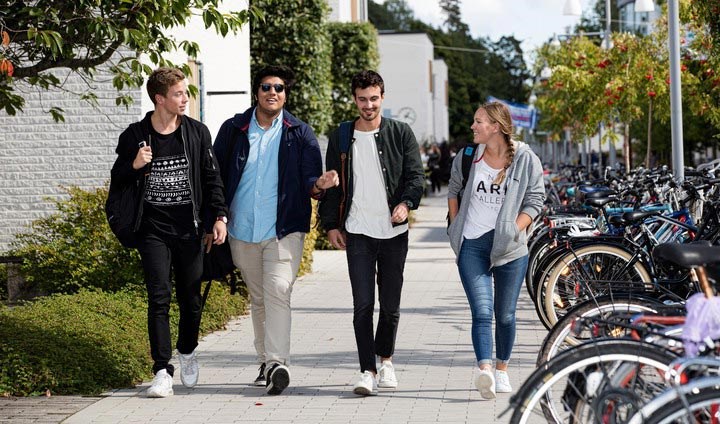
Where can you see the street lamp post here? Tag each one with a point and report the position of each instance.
(676, 125)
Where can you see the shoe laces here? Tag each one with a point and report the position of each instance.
(161, 378)
(189, 362)
(387, 370)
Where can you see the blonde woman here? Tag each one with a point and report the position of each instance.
(488, 232)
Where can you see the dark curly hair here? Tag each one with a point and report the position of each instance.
(283, 72)
(367, 78)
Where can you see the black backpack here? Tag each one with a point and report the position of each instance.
(468, 154)
(123, 201)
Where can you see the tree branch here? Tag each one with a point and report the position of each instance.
(72, 63)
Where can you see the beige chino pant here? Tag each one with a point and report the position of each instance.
(269, 269)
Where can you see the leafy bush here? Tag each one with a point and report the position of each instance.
(354, 48)
(74, 248)
(87, 342)
(321, 241)
(309, 246)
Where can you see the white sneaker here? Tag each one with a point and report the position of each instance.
(485, 383)
(162, 385)
(386, 376)
(502, 382)
(367, 385)
(189, 369)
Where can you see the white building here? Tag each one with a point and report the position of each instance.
(441, 100)
(348, 10)
(415, 84)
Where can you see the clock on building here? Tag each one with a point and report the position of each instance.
(407, 115)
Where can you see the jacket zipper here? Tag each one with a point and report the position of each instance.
(212, 162)
(141, 200)
(190, 180)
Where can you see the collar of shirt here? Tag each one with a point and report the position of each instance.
(255, 125)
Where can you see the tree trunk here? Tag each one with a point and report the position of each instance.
(627, 148)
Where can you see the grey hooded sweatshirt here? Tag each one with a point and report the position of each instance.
(525, 193)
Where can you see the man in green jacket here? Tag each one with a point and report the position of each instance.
(380, 159)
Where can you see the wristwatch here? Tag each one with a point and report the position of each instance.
(408, 203)
(222, 218)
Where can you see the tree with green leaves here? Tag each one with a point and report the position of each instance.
(39, 37)
(354, 48)
(391, 15)
(630, 83)
(453, 17)
(295, 35)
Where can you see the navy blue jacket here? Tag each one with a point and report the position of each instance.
(299, 166)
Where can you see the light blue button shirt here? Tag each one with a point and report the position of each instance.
(253, 212)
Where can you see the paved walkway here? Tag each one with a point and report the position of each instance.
(434, 359)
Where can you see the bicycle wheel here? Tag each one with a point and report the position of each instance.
(699, 403)
(587, 272)
(600, 381)
(566, 334)
(540, 282)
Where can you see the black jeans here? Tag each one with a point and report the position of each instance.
(160, 253)
(365, 255)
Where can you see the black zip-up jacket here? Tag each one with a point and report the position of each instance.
(205, 183)
(402, 168)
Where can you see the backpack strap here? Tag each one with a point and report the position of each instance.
(467, 159)
(345, 129)
(345, 136)
(468, 154)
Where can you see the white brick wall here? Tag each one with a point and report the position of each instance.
(37, 155)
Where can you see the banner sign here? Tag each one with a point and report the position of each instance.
(523, 115)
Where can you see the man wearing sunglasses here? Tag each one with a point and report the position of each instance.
(377, 158)
(271, 166)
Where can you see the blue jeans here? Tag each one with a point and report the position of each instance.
(477, 280)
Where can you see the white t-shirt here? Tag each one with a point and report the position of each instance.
(369, 213)
(485, 201)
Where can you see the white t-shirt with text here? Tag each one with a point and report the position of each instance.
(485, 201)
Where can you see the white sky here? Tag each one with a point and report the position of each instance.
(531, 21)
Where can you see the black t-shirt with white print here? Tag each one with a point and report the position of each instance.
(168, 204)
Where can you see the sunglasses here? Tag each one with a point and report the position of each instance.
(279, 88)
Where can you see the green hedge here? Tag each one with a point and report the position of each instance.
(88, 342)
(354, 48)
(74, 248)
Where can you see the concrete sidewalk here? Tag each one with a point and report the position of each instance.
(434, 359)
